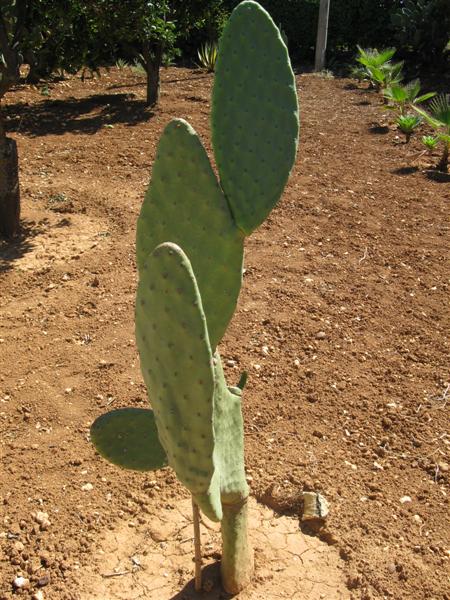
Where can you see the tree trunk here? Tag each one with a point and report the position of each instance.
(443, 163)
(322, 35)
(9, 186)
(153, 60)
(237, 556)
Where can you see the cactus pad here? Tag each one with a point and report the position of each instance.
(128, 438)
(177, 366)
(254, 114)
(229, 438)
(185, 205)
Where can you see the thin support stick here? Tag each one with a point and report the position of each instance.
(197, 547)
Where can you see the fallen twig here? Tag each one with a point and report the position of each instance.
(116, 574)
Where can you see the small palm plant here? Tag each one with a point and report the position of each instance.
(381, 72)
(207, 55)
(401, 97)
(408, 124)
(438, 116)
(430, 142)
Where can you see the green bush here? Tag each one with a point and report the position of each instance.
(364, 22)
(422, 27)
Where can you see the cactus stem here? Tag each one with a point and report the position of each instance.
(197, 546)
(242, 380)
(237, 555)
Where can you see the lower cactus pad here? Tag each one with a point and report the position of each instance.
(176, 363)
(128, 438)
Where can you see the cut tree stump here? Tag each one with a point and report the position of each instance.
(9, 189)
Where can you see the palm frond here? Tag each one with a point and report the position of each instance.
(438, 114)
(440, 109)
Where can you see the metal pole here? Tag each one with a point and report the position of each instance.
(322, 34)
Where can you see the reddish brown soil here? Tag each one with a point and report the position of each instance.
(342, 324)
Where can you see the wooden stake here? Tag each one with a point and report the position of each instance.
(322, 34)
(197, 547)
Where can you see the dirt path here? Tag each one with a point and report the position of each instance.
(342, 324)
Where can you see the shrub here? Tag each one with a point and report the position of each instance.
(403, 96)
(422, 27)
(438, 116)
(380, 70)
(408, 124)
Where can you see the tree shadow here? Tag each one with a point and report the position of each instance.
(75, 115)
(379, 129)
(405, 170)
(203, 76)
(438, 176)
(17, 247)
(211, 582)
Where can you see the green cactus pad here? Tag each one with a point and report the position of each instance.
(254, 114)
(229, 435)
(176, 363)
(128, 438)
(185, 205)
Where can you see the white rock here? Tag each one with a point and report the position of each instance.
(405, 499)
(87, 487)
(40, 517)
(39, 595)
(21, 583)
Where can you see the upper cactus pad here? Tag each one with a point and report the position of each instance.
(254, 114)
(185, 205)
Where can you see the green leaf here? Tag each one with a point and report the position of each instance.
(129, 439)
(424, 97)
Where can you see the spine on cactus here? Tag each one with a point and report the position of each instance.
(189, 246)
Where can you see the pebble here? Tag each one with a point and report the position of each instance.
(21, 583)
(443, 466)
(43, 581)
(265, 350)
(87, 487)
(18, 546)
(315, 506)
(321, 335)
(39, 595)
(405, 499)
(42, 519)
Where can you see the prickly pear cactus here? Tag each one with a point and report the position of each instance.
(254, 114)
(189, 246)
